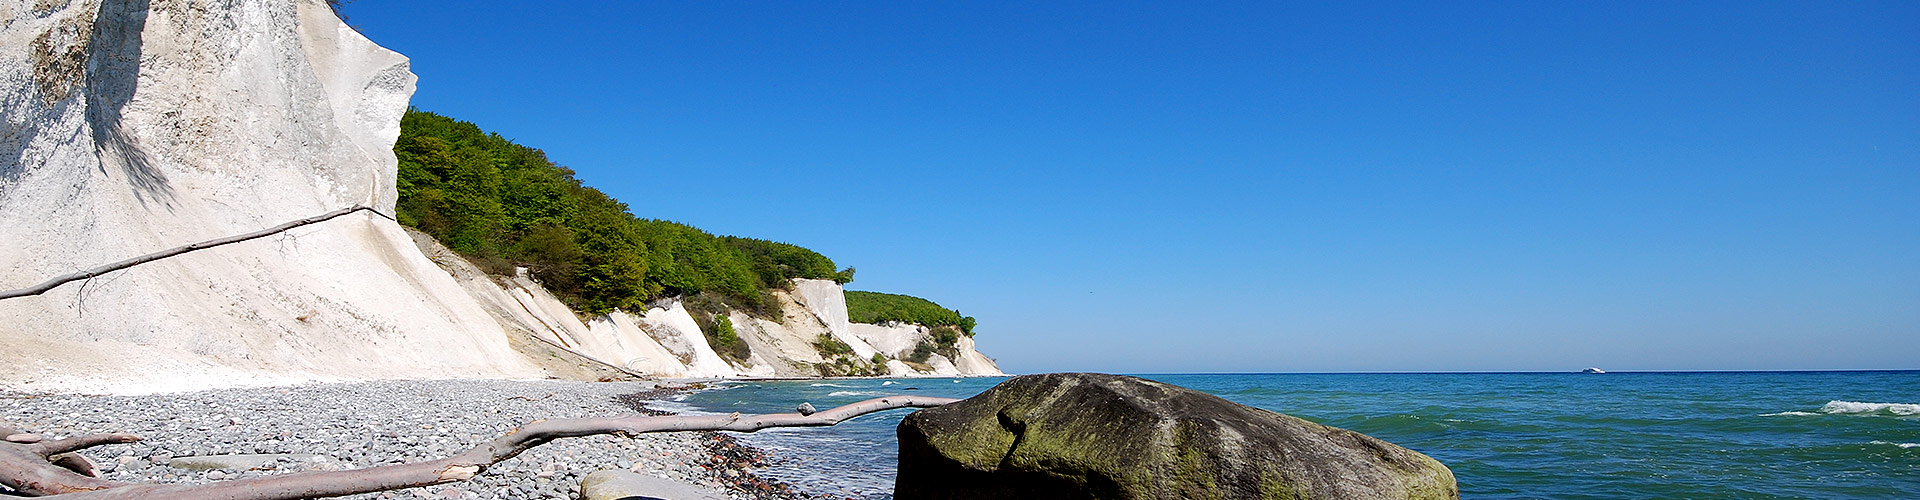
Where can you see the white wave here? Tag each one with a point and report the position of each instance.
(889, 382)
(677, 407)
(1902, 445)
(831, 385)
(1837, 407)
(855, 393)
(1856, 408)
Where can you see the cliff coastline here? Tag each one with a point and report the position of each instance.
(132, 127)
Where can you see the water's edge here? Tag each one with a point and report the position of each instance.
(1505, 435)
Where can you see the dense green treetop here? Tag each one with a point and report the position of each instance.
(503, 205)
(875, 307)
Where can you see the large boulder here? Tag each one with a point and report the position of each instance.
(1088, 435)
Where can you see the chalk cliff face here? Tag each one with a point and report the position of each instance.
(128, 127)
(819, 307)
(133, 126)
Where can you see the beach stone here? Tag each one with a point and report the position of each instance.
(23, 438)
(1098, 436)
(623, 485)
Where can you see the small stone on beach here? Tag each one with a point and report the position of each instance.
(24, 438)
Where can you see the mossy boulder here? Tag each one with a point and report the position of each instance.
(1098, 436)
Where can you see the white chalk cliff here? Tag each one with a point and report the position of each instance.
(132, 127)
(129, 126)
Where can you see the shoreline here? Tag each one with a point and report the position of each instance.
(362, 424)
(36, 388)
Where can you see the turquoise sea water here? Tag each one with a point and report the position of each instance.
(1842, 435)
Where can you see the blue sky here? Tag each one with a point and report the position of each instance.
(1262, 186)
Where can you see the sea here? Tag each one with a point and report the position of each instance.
(1761, 435)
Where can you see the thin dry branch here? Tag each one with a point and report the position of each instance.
(89, 273)
(49, 480)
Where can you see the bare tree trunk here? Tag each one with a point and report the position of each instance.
(26, 463)
(71, 277)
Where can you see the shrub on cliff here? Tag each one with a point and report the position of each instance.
(724, 340)
(921, 352)
(946, 340)
(831, 347)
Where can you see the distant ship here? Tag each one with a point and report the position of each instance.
(1592, 370)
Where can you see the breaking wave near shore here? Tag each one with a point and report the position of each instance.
(1836, 407)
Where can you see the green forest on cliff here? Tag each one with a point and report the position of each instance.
(876, 307)
(503, 205)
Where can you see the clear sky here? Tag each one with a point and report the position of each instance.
(1261, 186)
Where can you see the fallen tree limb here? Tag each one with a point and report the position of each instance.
(31, 465)
(27, 470)
(89, 273)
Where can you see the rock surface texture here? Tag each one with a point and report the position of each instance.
(1096, 436)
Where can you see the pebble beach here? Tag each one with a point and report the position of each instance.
(343, 426)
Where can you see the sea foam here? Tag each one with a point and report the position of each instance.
(1902, 445)
(1855, 408)
(1838, 407)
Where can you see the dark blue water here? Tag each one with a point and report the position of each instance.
(1839, 435)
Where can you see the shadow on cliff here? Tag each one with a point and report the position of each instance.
(113, 73)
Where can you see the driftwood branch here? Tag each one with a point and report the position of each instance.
(27, 470)
(90, 273)
(29, 464)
